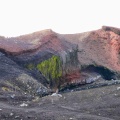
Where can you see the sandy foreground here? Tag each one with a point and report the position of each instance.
(93, 104)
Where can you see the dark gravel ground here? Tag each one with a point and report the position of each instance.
(92, 104)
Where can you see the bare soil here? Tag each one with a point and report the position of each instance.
(93, 104)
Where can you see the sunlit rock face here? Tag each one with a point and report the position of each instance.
(57, 60)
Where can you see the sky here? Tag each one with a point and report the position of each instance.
(18, 17)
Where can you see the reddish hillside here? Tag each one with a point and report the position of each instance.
(25, 43)
(100, 47)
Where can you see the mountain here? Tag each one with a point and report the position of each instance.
(60, 60)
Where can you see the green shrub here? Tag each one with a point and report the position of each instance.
(51, 68)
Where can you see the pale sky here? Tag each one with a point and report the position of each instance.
(18, 17)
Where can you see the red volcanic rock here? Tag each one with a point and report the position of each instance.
(100, 47)
(22, 44)
(74, 78)
(38, 41)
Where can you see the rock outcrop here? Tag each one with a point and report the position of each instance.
(57, 60)
(99, 48)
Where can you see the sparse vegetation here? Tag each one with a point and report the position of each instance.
(51, 68)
